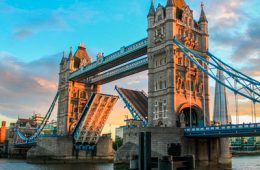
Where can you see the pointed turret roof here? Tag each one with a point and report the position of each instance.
(71, 55)
(152, 10)
(80, 55)
(203, 17)
(63, 58)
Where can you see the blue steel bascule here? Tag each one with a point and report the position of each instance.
(88, 127)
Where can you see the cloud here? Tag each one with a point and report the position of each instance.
(27, 87)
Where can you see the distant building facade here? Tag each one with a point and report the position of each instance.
(3, 132)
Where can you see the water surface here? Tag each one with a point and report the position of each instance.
(238, 163)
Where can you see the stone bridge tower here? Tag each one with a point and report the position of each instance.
(73, 95)
(175, 84)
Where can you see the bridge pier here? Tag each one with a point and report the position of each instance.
(207, 151)
(60, 150)
(225, 155)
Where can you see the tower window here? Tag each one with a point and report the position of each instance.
(160, 17)
(161, 85)
(179, 61)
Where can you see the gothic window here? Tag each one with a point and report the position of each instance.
(164, 60)
(192, 85)
(186, 20)
(80, 109)
(82, 94)
(156, 110)
(165, 84)
(164, 108)
(160, 17)
(75, 109)
(160, 109)
(159, 31)
(161, 84)
(74, 94)
(84, 62)
(179, 61)
(190, 22)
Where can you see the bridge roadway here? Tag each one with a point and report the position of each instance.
(231, 130)
(124, 55)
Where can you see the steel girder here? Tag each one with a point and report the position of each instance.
(42, 125)
(234, 80)
(93, 118)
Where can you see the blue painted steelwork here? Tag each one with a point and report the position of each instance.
(50, 135)
(75, 132)
(85, 147)
(233, 81)
(123, 69)
(224, 131)
(135, 114)
(112, 57)
(235, 72)
(39, 129)
(27, 144)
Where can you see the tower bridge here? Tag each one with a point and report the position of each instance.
(179, 63)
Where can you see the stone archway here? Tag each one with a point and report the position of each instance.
(187, 113)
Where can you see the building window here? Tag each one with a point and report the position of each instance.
(192, 86)
(82, 94)
(179, 61)
(161, 84)
(190, 22)
(160, 17)
(155, 110)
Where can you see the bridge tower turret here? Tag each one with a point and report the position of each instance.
(151, 18)
(73, 95)
(175, 85)
(203, 24)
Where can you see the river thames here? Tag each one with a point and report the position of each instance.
(239, 163)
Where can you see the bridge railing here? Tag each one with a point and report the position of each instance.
(224, 127)
(119, 70)
(123, 51)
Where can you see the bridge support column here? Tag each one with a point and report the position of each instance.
(225, 155)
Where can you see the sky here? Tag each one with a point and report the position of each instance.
(35, 33)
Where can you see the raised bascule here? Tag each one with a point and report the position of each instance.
(177, 107)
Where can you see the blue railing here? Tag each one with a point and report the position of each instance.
(252, 129)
